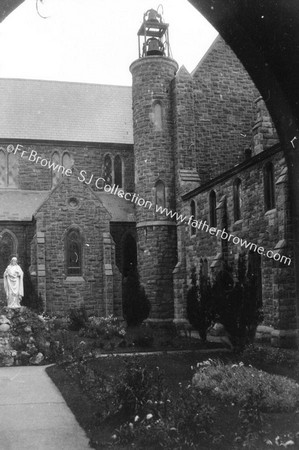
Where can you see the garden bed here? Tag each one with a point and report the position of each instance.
(80, 383)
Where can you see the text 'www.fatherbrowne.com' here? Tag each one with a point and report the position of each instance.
(203, 226)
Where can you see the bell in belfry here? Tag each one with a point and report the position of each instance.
(153, 39)
(154, 47)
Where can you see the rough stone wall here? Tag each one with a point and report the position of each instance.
(157, 256)
(155, 161)
(32, 176)
(224, 110)
(266, 229)
(54, 218)
(154, 156)
(264, 132)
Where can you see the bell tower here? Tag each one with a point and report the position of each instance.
(153, 126)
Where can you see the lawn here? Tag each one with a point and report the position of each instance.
(226, 420)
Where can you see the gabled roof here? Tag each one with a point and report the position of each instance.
(19, 205)
(64, 111)
(120, 209)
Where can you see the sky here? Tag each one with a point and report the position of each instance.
(93, 41)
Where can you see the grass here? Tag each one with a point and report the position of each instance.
(178, 369)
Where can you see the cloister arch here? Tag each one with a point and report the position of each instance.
(264, 34)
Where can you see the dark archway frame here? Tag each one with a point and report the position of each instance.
(264, 34)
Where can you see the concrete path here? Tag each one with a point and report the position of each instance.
(33, 414)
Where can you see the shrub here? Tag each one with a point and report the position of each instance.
(136, 305)
(105, 327)
(176, 422)
(143, 337)
(236, 304)
(78, 318)
(137, 388)
(250, 418)
(199, 305)
(233, 382)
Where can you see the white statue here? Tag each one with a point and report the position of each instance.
(13, 284)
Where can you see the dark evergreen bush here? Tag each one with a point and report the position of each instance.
(234, 303)
(199, 305)
(78, 318)
(136, 305)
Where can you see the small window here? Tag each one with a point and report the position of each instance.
(55, 169)
(118, 171)
(12, 170)
(8, 169)
(193, 214)
(108, 170)
(237, 199)
(74, 253)
(269, 187)
(157, 116)
(160, 194)
(66, 161)
(3, 169)
(213, 212)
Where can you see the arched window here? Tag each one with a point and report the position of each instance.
(160, 193)
(213, 212)
(193, 214)
(8, 248)
(12, 170)
(157, 116)
(3, 169)
(66, 160)
(8, 169)
(55, 173)
(237, 199)
(118, 175)
(108, 170)
(269, 188)
(74, 253)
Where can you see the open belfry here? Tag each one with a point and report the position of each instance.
(98, 180)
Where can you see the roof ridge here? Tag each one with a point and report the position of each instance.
(64, 82)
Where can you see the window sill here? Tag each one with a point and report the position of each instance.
(239, 221)
(270, 211)
(74, 279)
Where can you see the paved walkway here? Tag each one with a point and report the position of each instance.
(33, 414)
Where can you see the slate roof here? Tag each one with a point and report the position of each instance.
(20, 205)
(65, 111)
(120, 209)
(17, 205)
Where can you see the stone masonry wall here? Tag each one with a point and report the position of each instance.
(157, 258)
(90, 158)
(54, 218)
(267, 229)
(155, 161)
(224, 110)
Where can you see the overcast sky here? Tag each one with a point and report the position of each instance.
(93, 41)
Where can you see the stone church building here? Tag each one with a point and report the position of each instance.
(86, 171)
